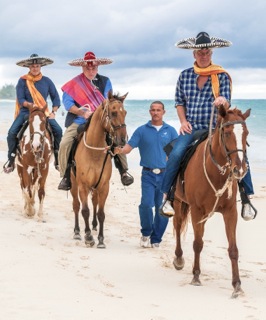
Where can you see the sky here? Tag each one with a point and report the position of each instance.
(139, 36)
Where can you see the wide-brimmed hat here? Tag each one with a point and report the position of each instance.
(203, 41)
(35, 59)
(90, 60)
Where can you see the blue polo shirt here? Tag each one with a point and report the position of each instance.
(151, 142)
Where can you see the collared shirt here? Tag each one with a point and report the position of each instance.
(199, 102)
(45, 86)
(151, 142)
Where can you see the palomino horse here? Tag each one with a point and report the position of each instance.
(210, 185)
(33, 161)
(94, 167)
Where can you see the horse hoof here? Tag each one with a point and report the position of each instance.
(101, 245)
(237, 292)
(77, 236)
(90, 243)
(179, 263)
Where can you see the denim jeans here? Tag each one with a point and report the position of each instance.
(17, 125)
(152, 223)
(176, 156)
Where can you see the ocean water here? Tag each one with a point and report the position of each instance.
(138, 114)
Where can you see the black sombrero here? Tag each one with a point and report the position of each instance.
(203, 41)
(34, 59)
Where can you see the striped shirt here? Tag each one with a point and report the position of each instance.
(199, 102)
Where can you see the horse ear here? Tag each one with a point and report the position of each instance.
(110, 94)
(246, 114)
(124, 97)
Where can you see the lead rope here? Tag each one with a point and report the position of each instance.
(218, 193)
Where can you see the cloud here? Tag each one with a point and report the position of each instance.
(138, 35)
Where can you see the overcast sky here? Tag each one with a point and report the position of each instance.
(139, 35)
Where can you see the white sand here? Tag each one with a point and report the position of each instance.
(45, 274)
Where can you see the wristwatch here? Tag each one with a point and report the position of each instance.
(54, 112)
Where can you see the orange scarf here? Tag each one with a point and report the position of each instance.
(35, 94)
(213, 70)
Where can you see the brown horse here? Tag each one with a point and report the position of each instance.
(94, 167)
(210, 185)
(33, 161)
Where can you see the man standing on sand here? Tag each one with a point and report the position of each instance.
(151, 138)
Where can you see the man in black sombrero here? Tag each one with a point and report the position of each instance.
(32, 90)
(198, 89)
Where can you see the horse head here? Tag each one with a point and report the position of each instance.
(233, 134)
(37, 128)
(114, 118)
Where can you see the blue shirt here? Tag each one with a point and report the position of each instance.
(198, 102)
(151, 142)
(46, 88)
(68, 101)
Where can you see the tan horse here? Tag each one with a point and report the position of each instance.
(94, 167)
(33, 161)
(210, 185)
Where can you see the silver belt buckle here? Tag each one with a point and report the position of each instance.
(156, 171)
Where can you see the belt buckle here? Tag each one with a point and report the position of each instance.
(156, 171)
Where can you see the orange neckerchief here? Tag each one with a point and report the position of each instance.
(35, 94)
(212, 70)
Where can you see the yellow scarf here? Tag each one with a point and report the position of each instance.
(35, 94)
(212, 70)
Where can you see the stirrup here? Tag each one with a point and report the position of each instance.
(9, 166)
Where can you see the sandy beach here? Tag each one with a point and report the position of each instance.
(45, 274)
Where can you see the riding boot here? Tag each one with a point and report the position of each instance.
(65, 183)
(126, 178)
(248, 211)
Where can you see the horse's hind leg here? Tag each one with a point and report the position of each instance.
(230, 220)
(179, 261)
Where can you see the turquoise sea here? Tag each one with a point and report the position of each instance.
(138, 113)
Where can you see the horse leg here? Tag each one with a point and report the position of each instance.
(41, 195)
(85, 211)
(27, 191)
(230, 220)
(101, 215)
(197, 244)
(76, 208)
(179, 261)
(95, 205)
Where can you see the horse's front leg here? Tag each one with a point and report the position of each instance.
(230, 220)
(85, 211)
(101, 214)
(179, 261)
(197, 244)
(95, 205)
(41, 195)
(76, 208)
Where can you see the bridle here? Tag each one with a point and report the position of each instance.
(110, 128)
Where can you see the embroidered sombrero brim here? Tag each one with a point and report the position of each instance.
(95, 62)
(43, 61)
(190, 43)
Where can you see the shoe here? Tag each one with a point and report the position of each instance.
(155, 245)
(166, 209)
(9, 166)
(248, 211)
(144, 242)
(126, 179)
(65, 184)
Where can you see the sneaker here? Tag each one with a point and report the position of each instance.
(9, 166)
(144, 242)
(166, 209)
(155, 245)
(65, 184)
(248, 212)
(126, 179)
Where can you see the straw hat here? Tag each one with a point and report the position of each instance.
(203, 41)
(34, 59)
(90, 60)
